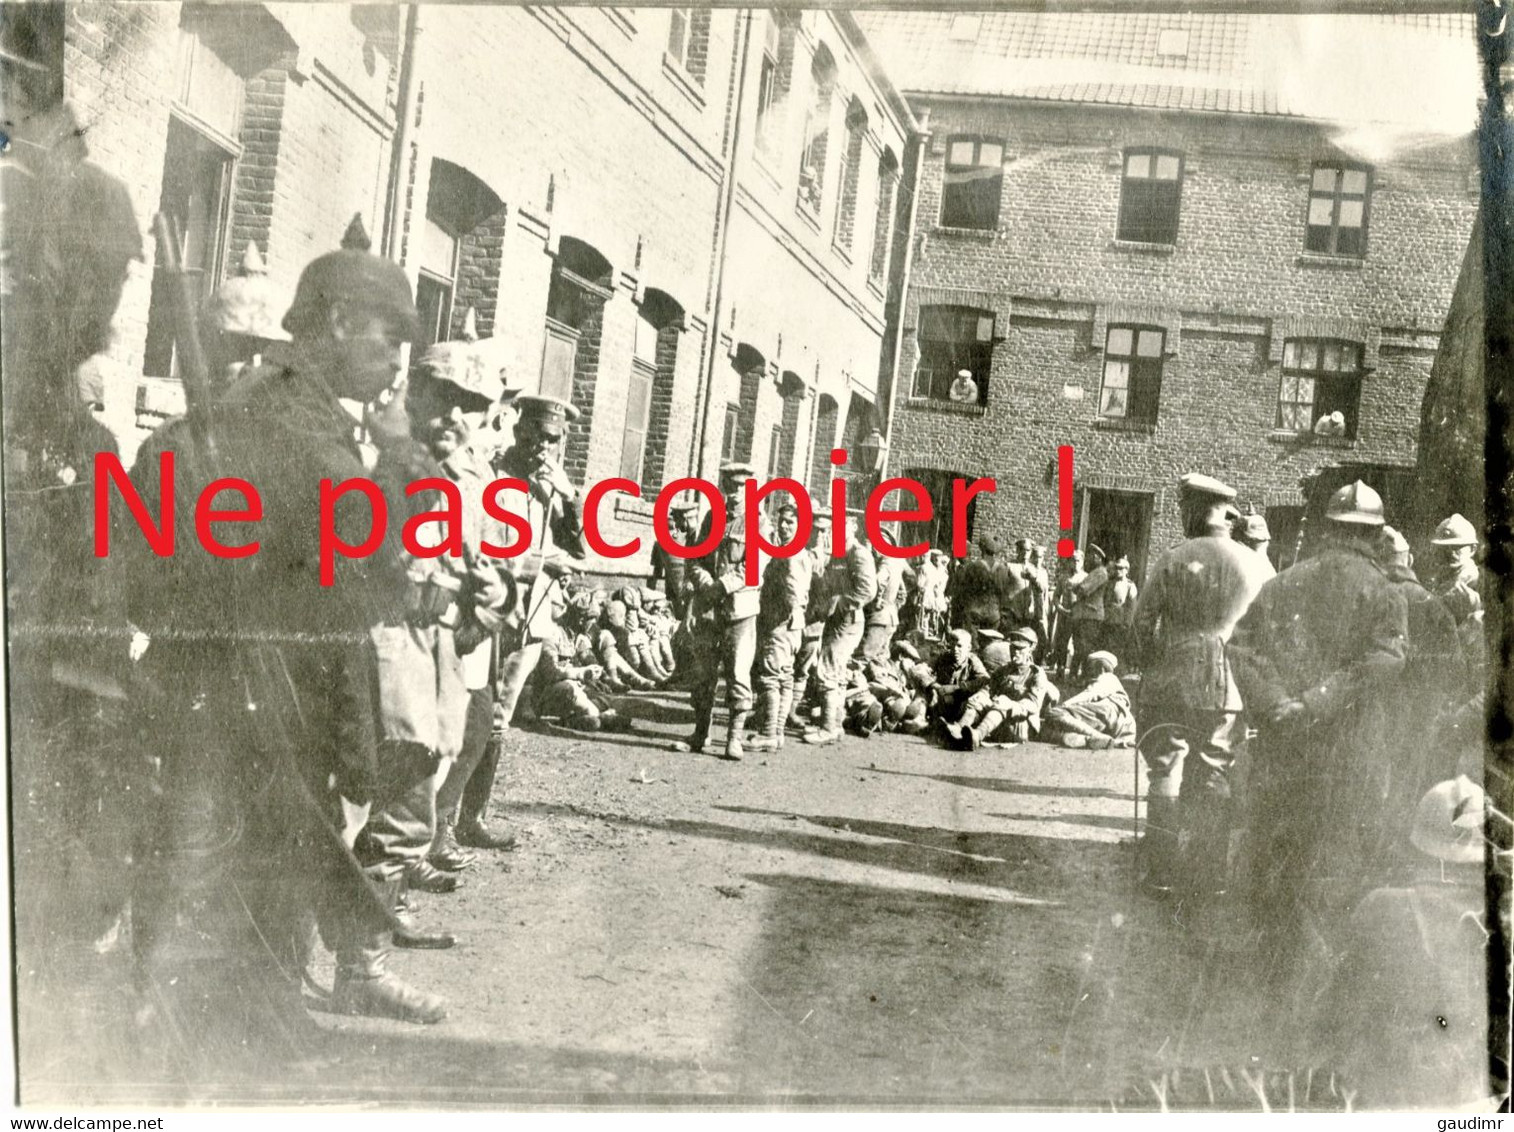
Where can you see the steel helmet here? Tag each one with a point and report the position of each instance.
(1448, 825)
(1455, 531)
(1357, 504)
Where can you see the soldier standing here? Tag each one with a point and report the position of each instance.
(550, 504)
(1322, 646)
(1190, 706)
(1119, 610)
(1455, 578)
(67, 240)
(286, 732)
(780, 622)
(853, 582)
(724, 609)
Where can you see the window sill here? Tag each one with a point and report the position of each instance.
(967, 233)
(766, 161)
(875, 285)
(842, 254)
(633, 510)
(685, 82)
(1335, 262)
(1120, 424)
(931, 404)
(810, 217)
(1141, 248)
(1309, 439)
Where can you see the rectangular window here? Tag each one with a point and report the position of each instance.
(971, 188)
(1132, 385)
(678, 32)
(1150, 193)
(775, 453)
(767, 90)
(435, 286)
(732, 426)
(956, 355)
(196, 195)
(1322, 377)
(558, 361)
(1338, 211)
(638, 417)
(883, 221)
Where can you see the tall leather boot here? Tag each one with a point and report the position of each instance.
(704, 708)
(1208, 820)
(975, 736)
(830, 728)
(1157, 855)
(364, 984)
(733, 749)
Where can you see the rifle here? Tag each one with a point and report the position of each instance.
(191, 354)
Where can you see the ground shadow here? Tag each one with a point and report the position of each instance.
(1009, 785)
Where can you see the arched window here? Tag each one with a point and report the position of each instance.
(649, 400)
(851, 167)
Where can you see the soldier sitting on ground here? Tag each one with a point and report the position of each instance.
(607, 631)
(1009, 708)
(660, 626)
(559, 685)
(1097, 716)
(959, 672)
(631, 639)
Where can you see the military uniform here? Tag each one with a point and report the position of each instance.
(780, 624)
(723, 612)
(853, 582)
(280, 672)
(1190, 706)
(1008, 707)
(550, 505)
(1316, 657)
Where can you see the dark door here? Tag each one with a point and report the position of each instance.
(1118, 522)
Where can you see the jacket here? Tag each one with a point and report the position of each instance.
(1194, 596)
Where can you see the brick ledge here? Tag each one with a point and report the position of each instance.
(931, 404)
(1332, 262)
(1141, 248)
(1119, 424)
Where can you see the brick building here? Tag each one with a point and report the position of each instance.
(682, 220)
(1143, 238)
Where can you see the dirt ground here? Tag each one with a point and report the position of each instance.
(874, 922)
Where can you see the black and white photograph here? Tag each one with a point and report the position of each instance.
(913, 557)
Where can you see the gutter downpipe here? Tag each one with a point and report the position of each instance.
(722, 253)
(402, 137)
(912, 164)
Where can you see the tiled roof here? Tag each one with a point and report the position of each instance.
(1220, 62)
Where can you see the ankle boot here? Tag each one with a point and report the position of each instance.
(364, 986)
(956, 730)
(701, 735)
(446, 853)
(733, 750)
(975, 736)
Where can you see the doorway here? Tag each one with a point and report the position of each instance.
(1118, 522)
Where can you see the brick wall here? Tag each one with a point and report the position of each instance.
(479, 255)
(1236, 284)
